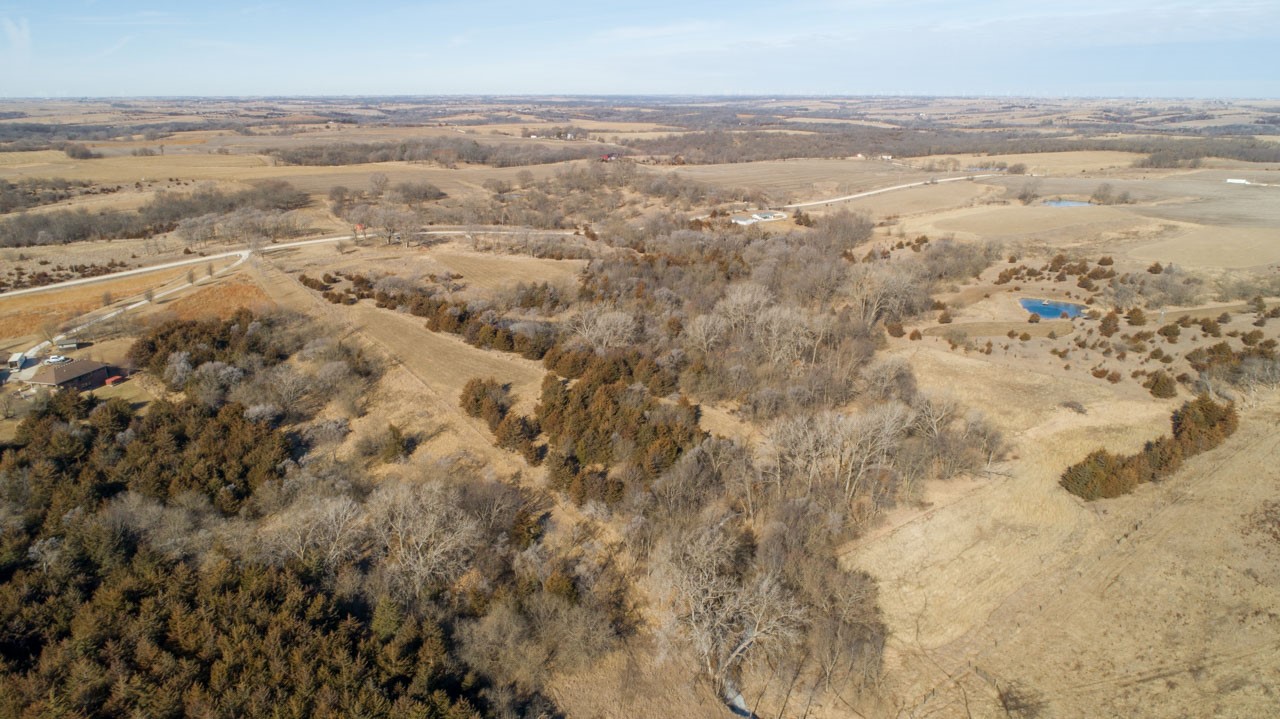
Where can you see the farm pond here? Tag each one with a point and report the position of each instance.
(1050, 309)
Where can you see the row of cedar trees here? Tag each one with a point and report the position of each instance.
(607, 418)
(1198, 426)
(477, 329)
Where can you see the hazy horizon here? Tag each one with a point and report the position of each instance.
(1128, 48)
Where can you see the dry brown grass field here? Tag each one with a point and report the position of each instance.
(26, 315)
(424, 372)
(1010, 585)
(241, 169)
(925, 200)
(220, 299)
(803, 179)
(486, 272)
(1050, 163)
(1122, 610)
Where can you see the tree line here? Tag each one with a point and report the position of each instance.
(164, 213)
(583, 194)
(446, 151)
(29, 136)
(719, 146)
(35, 191)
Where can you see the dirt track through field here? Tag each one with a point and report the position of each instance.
(445, 362)
(439, 364)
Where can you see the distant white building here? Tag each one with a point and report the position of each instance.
(762, 216)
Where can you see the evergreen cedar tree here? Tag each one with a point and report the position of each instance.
(613, 399)
(1198, 426)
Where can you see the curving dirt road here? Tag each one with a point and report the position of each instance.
(241, 256)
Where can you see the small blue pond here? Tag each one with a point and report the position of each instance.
(1067, 203)
(1051, 310)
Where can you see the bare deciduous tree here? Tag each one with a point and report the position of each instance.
(323, 530)
(933, 413)
(604, 329)
(706, 332)
(724, 617)
(784, 333)
(393, 221)
(742, 303)
(879, 293)
(426, 539)
(889, 378)
(177, 369)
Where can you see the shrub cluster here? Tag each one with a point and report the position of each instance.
(491, 401)
(1223, 359)
(1060, 268)
(1198, 426)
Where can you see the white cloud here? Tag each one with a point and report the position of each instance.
(115, 47)
(142, 18)
(17, 35)
(655, 32)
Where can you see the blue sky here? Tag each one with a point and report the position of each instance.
(1206, 48)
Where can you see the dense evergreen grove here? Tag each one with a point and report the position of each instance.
(102, 619)
(609, 434)
(198, 559)
(1198, 426)
(160, 215)
(202, 341)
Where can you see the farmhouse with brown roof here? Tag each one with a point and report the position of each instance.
(78, 374)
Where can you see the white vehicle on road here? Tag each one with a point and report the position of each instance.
(57, 359)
